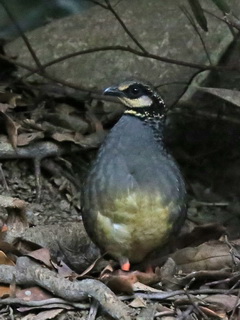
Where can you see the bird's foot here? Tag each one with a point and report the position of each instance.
(124, 263)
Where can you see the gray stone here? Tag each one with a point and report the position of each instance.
(161, 28)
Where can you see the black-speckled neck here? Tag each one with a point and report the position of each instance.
(151, 117)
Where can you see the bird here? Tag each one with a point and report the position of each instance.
(134, 196)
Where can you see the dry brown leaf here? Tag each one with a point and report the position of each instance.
(223, 301)
(201, 234)
(232, 96)
(8, 248)
(92, 266)
(213, 313)
(63, 270)
(148, 278)
(138, 303)
(29, 316)
(33, 294)
(42, 255)
(120, 281)
(5, 260)
(11, 128)
(24, 139)
(48, 314)
(75, 137)
(212, 255)
(25, 246)
(4, 107)
(5, 291)
(138, 286)
(72, 121)
(9, 98)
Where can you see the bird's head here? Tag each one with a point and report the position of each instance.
(140, 99)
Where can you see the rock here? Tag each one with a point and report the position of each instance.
(160, 27)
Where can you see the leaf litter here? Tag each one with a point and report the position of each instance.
(55, 272)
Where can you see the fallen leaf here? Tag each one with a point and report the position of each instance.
(48, 314)
(138, 286)
(4, 106)
(9, 98)
(42, 255)
(213, 313)
(24, 139)
(25, 246)
(92, 266)
(11, 128)
(138, 303)
(29, 316)
(200, 234)
(223, 301)
(8, 248)
(75, 137)
(5, 260)
(33, 294)
(212, 255)
(232, 96)
(120, 281)
(5, 291)
(63, 270)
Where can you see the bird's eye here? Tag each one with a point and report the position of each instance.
(134, 92)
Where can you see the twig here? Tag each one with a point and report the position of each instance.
(73, 291)
(108, 48)
(235, 306)
(43, 303)
(5, 185)
(98, 3)
(233, 287)
(223, 20)
(192, 22)
(181, 83)
(212, 204)
(168, 295)
(93, 310)
(185, 314)
(136, 52)
(195, 305)
(131, 36)
(24, 37)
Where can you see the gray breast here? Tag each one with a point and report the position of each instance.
(131, 159)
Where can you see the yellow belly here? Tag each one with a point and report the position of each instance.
(133, 226)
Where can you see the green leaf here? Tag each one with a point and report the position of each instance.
(222, 5)
(198, 14)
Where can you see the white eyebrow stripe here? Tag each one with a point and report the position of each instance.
(141, 102)
(123, 86)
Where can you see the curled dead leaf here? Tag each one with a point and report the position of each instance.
(24, 139)
(212, 255)
(5, 260)
(41, 255)
(10, 127)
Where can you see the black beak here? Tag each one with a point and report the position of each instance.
(112, 91)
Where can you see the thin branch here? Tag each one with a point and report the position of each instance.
(148, 55)
(98, 3)
(222, 20)
(131, 36)
(192, 22)
(181, 83)
(195, 305)
(43, 303)
(24, 37)
(232, 316)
